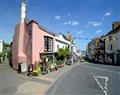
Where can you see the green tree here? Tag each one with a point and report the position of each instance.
(62, 53)
(6, 50)
(66, 52)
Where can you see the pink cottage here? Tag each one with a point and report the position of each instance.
(30, 41)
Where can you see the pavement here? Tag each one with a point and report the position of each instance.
(88, 79)
(12, 83)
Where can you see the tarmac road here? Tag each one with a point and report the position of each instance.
(88, 79)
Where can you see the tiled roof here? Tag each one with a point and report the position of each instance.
(41, 27)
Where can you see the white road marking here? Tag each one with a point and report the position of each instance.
(104, 88)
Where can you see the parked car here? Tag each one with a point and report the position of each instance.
(82, 60)
(69, 62)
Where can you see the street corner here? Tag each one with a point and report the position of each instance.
(41, 77)
(32, 88)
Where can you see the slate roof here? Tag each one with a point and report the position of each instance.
(117, 29)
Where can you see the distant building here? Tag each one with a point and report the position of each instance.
(1, 46)
(100, 50)
(69, 37)
(106, 49)
(83, 53)
(91, 52)
(112, 44)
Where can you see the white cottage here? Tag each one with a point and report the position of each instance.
(62, 42)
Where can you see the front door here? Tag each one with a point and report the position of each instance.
(118, 59)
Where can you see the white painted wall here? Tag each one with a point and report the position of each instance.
(23, 12)
(60, 42)
(118, 41)
(112, 42)
(115, 42)
(74, 48)
(1, 46)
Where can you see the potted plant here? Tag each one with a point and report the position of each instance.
(36, 69)
(59, 63)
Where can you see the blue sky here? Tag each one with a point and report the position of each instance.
(83, 18)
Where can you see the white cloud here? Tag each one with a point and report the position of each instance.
(107, 14)
(67, 23)
(95, 23)
(99, 31)
(57, 17)
(73, 23)
(80, 32)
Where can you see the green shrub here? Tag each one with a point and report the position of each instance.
(62, 53)
(59, 62)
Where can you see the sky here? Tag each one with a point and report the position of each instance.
(84, 19)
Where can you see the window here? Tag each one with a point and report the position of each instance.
(110, 38)
(48, 45)
(57, 47)
(110, 47)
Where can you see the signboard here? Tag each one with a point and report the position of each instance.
(23, 67)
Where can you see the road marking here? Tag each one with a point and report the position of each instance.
(101, 69)
(104, 88)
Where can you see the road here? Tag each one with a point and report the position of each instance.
(9, 80)
(12, 83)
(88, 79)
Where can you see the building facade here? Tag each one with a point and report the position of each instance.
(30, 41)
(1, 46)
(91, 51)
(106, 49)
(112, 45)
(62, 42)
(100, 50)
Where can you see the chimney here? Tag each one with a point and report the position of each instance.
(115, 24)
(22, 11)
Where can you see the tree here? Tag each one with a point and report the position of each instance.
(6, 50)
(66, 52)
(62, 53)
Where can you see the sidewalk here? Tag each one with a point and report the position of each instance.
(20, 84)
(39, 84)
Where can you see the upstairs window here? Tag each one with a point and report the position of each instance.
(48, 44)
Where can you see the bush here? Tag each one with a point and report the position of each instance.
(62, 53)
(59, 62)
